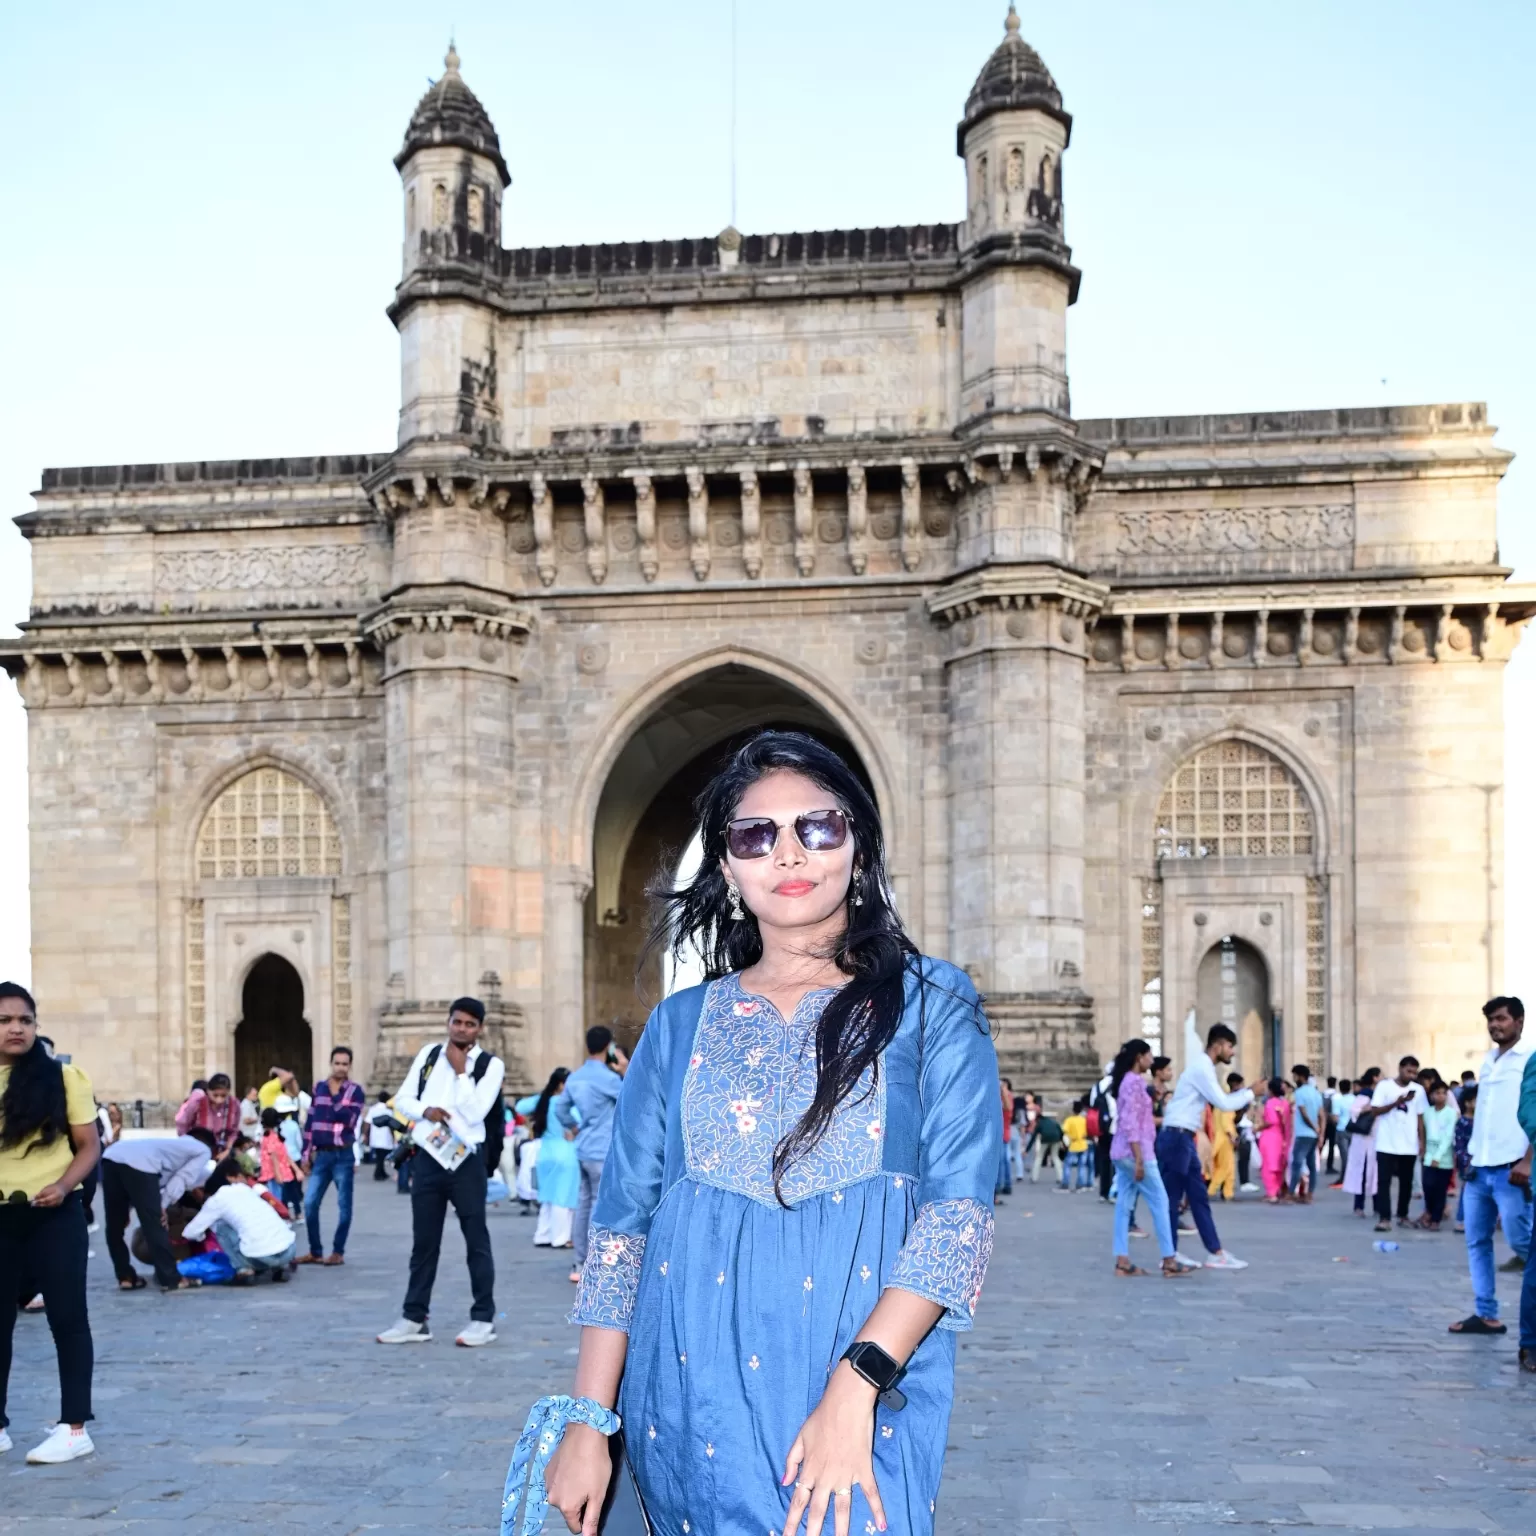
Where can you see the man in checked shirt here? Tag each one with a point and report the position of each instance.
(335, 1108)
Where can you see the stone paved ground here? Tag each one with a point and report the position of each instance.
(1301, 1392)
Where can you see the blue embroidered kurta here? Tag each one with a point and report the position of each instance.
(737, 1309)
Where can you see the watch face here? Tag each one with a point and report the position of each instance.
(876, 1365)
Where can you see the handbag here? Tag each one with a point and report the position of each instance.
(623, 1510)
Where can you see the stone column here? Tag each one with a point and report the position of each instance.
(452, 653)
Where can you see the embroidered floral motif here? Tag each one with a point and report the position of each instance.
(808, 1282)
(754, 1362)
(609, 1280)
(720, 1278)
(709, 1449)
(751, 1077)
(662, 1267)
(886, 1431)
(945, 1257)
(864, 1272)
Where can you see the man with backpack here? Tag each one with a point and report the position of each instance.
(1101, 1128)
(457, 1086)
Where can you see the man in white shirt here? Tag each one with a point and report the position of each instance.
(454, 1085)
(1498, 1186)
(1397, 1110)
(1178, 1159)
(381, 1136)
(255, 1239)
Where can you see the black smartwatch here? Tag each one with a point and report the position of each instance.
(879, 1370)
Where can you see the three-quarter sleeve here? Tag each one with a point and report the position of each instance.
(944, 1257)
(631, 1187)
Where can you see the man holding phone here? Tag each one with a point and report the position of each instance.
(585, 1106)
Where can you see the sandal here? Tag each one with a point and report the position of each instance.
(1476, 1324)
(184, 1284)
(1173, 1270)
(333, 1261)
(1125, 1267)
(136, 1284)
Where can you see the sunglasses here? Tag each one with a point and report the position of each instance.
(755, 837)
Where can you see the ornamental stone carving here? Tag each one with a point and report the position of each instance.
(1237, 539)
(283, 576)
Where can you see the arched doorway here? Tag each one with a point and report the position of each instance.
(1232, 987)
(645, 822)
(273, 1031)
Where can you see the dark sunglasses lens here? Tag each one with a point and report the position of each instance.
(751, 839)
(822, 832)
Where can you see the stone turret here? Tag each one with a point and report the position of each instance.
(453, 175)
(1021, 277)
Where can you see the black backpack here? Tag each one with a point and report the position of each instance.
(496, 1116)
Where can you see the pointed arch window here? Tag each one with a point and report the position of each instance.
(267, 824)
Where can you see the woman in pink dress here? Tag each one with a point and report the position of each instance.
(1274, 1140)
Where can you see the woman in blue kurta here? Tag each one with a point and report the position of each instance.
(804, 1156)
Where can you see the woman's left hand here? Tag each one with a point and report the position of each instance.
(833, 1452)
(50, 1194)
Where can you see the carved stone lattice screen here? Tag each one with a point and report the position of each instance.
(1152, 963)
(1317, 973)
(1233, 800)
(196, 989)
(267, 823)
(341, 970)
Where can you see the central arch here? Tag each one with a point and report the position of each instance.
(644, 815)
(272, 1031)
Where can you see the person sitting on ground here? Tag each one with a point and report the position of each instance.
(255, 1239)
(215, 1109)
(1439, 1154)
(148, 1175)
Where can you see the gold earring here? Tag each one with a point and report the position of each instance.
(738, 912)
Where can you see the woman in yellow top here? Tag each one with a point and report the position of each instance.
(48, 1143)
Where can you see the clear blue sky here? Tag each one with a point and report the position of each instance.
(1309, 204)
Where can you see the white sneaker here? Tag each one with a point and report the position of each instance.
(5, 1442)
(62, 1444)
(1184, 1263)
(476, 1335)
(1225, 1260)
(406, 1332)
(1249, 1189)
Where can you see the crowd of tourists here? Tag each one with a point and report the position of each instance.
(1145, 1141)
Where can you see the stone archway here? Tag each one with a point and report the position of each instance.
(272, 1031)
(644, 818)
(1232, 987)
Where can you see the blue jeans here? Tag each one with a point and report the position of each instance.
(1303, 1156)
(1179, 1163)
(329, 1165)
(1005, 1172)
(1528, 1305)
(1082, 1164)
(229, 1241)
(1150, 1187)
(1489, 1194)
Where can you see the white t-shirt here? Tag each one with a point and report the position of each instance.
(1397, 1131)
(380, 1137)
(263, 1233)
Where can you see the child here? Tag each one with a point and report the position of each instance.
(1079, 1149)
(1439, 1154)
(276, 1169)
(1461, 1145)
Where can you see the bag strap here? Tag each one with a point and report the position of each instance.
(426, 1069)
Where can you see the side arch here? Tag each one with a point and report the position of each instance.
(228, 776)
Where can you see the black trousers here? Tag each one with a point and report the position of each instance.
(47, 1249)
(1244, 1158)
(1437, 1185)
(380, 1156)
(1390, 1165)
(124, 1188)
(1104, 1165)
(1330, 1144)
(433, 1189)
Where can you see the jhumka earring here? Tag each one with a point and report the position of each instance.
(858, 888)
(738, 912)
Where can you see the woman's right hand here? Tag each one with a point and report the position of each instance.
(578, 1475)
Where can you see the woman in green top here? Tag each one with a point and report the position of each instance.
(48, 1143)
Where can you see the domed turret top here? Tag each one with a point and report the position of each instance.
(450, 113)
(1014, 77)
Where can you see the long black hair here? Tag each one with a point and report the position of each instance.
(1125, 1061)
(873, 950)
(33, 1103)
(538, 1121)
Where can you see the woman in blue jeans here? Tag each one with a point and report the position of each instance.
(1135, 1160)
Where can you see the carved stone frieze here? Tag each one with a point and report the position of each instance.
(297, 575)
(1241, 540)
